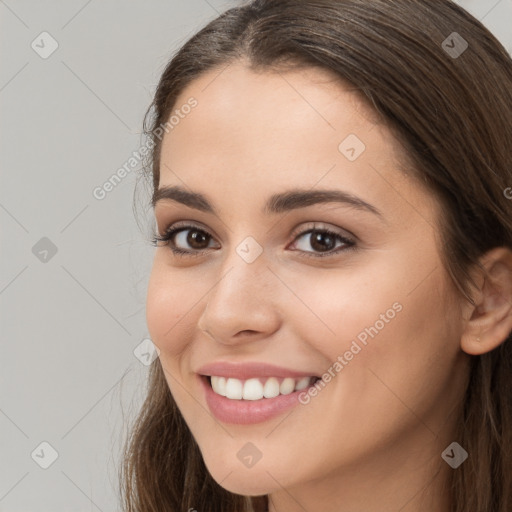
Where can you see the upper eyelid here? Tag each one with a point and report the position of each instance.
(184, 225)
(322, 226)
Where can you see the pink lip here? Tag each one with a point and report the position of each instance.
(246, 412)
(244, 371)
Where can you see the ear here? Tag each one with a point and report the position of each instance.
(489, 322)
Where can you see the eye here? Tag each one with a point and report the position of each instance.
(324, 242)
(185, 240)
(189, 240)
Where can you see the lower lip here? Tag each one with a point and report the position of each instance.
(245, 412)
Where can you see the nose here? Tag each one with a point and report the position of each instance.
(243, 303)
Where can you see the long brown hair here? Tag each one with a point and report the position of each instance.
(452, 114)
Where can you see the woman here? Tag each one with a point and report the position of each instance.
(331, 294)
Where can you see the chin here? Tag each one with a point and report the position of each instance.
(237, 479)
(247, 485)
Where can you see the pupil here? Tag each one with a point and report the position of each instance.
(196, 237)
(322, 241)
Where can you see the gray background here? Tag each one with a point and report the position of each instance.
(71, 321)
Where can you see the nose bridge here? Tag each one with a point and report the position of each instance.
(244, 280)
(241, 298)
(245, 269)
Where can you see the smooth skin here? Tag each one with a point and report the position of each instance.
(372, 439)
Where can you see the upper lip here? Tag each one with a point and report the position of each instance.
(250, 370)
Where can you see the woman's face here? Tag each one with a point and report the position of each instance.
(367, 305)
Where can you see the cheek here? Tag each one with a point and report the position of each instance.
(171, 297)
(339, 306)
(381, 323)
(390, 352)
(171, 322)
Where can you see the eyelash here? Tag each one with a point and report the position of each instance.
(166, 237)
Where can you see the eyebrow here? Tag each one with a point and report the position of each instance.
(277, 203)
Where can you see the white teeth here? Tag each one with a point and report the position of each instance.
(219, 385)
(271, 388)
(302, 383)
(234, 389)
(287, 386)
(253, 389)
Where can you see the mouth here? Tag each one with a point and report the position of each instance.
(253, 391)
(253, 400)
(257, 388)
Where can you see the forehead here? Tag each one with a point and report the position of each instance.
(270, 100)
(257, 131)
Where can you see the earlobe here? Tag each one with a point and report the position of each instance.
(489, 321)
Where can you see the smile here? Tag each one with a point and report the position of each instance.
(255, 400)
(258, 388)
